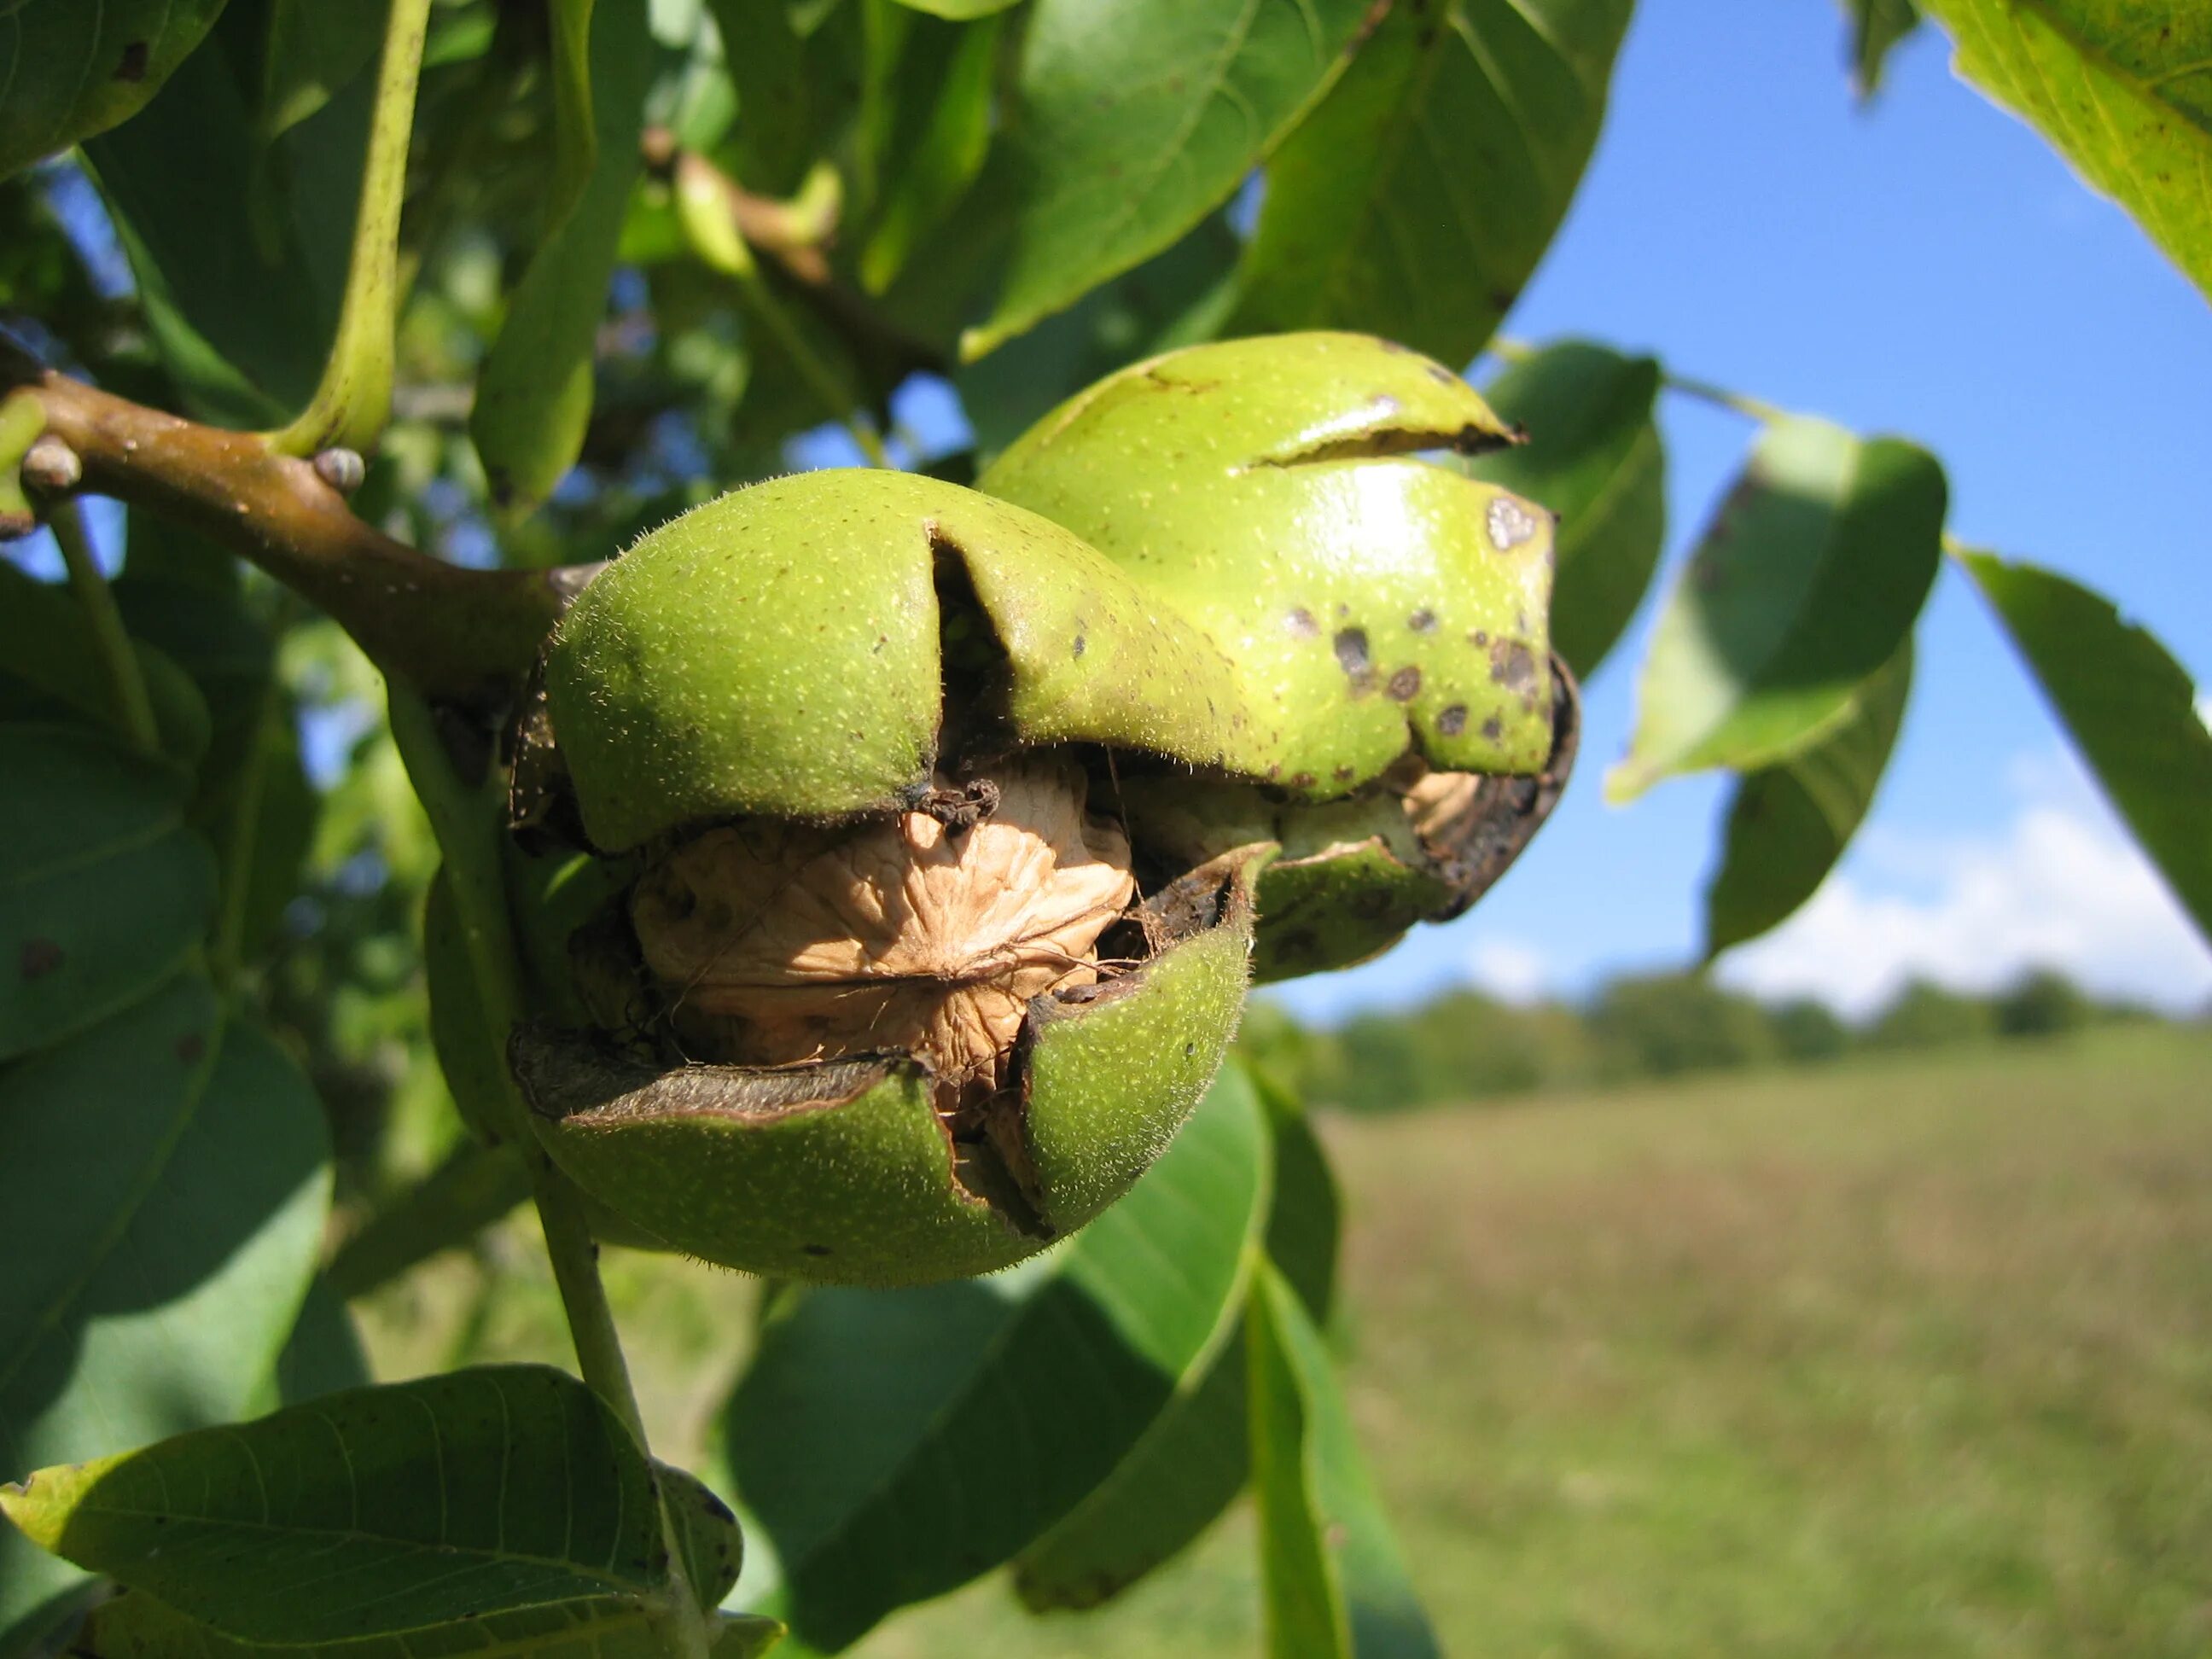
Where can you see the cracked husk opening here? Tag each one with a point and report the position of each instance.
(926, 934)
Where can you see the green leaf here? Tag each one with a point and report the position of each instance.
(313, 50)
(252, 783)
(50, 668)
(208, 212)
(371, 1512)
(1417, 199)
(136, 1627)
(796, 88)
(960, 11)
(933, 170)
(1177, 298)
(1191, 1463)
(2122, 88)
(105, 892)
(2130, 709)
(323, 1355)
(155, 1262)
(1332, 1578)
(1806, 583)
(1594, 457)
(1789, 822)
(474, 1187)
(1133, 122)
(1876, 28)
(893, 1444)
(69, 71)
(534, 397)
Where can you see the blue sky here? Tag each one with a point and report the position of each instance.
(1926, 266)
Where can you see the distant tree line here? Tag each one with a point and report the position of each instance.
(1463, 1045)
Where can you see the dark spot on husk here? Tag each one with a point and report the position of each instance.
(1493, 728)
(41, 957)
(1350, 646)
(1403, 685)
(815, 1249)
(1344, 775)
(1423, 621)
(1478, 638)
(1079, 643)
(133, 66)
(1452, 720)
(1301, 622)
(1513, 665)
(1304, 781)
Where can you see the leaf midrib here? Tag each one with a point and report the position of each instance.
(340, 1536)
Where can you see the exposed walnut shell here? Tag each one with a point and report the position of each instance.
(779, 945)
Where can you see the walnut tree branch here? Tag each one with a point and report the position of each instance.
(451, 633)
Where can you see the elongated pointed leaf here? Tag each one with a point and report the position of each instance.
(796, 88)
(2122, 88)
(313, 50)
(103, 891)
(1789, 822)
(2129, 706)
(534, 397)
(894, 1445)
(1135, 121)
(1877, 27)
(69, 70)
(208, 212)
(1804, 584)
(474, 1187)
(370, 1512)
(1330, 1570)
(1417, 199)
(50, 668)
(251, 783)
(169, 1178)
(936, 168)
(323, 1355)
(1594, 457)
(1193, 1461)
(136, 1627)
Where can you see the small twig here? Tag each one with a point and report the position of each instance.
(227, 947)
(354, 399)
(1520, 351)
(1757, 409)
(705, 207)
(451, 632)
(134, 708)
(462, 817)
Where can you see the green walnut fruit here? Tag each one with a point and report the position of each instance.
(1391, 613)
(938, 813)
(883, 1002)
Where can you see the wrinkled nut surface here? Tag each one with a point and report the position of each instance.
(940, 813)
(783, 945)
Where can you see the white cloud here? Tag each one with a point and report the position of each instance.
(1509, 969)
(2061, 887)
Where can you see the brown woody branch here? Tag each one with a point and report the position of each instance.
(453, 633)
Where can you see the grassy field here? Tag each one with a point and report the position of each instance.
(1909, 1357)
